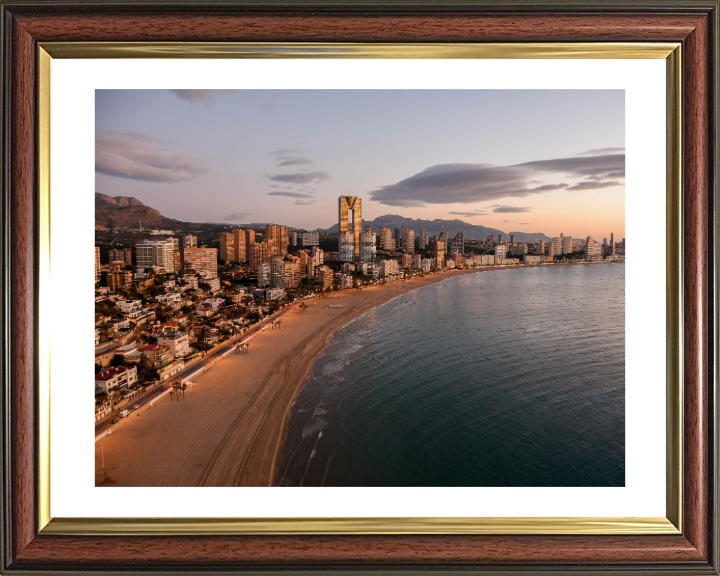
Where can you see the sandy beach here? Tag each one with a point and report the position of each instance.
(225, 432)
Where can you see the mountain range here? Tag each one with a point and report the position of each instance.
(433, 227)
(129, 212)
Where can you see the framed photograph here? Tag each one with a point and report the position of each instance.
(352, 281)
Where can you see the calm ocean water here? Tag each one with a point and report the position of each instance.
(503, 378)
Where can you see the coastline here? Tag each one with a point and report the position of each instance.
(229, 429)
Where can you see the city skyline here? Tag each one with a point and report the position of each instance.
(483, 157)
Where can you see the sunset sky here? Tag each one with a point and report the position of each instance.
(546, 161)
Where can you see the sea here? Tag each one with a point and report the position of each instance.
(508, 377)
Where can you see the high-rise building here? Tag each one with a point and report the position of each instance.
(439, 253)
(593, 250)
(277, 272)
(263, 275)
(293, 238)
(612, 239)
(408, 239)
(350, 218)
(227, 246)
(97, 264)
(118, 279)
(397, 236)
(604, 241)
(512, 238)
(325, 277)
(566, 245)
(347, 246)
(501, 250)
(386, 238)
(458, 243)
(499, 238)
(277, 238)
(259, 254)
(201, 259)
(443, 237)
(540, 247)
(189, 241)
(240, 244)
(303, 262)
(313, 239)
(556, 246)
(423, 239)
(367, 246)
(315, 259)
(292, 273)
(124, 256)
(149, 254)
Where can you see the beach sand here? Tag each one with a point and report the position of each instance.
(225, 431)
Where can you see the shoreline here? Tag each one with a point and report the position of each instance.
(229, 430)
(434, 279)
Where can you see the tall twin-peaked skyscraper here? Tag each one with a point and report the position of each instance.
(350, 217)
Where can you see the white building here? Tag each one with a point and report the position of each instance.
(178, 342)
(123, 376)
(128, 306)
(501, 250)
(389, 267)
(151, 254)
(214, 303)
(367, 247)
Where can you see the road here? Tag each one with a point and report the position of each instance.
(141, 401)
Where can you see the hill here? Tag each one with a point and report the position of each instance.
(129, 212)
(452, 227)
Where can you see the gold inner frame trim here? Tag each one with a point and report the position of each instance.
(527, 525)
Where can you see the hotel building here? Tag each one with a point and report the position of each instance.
(200, 259)
(350, 219)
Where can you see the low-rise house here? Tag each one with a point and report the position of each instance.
(158, 354)
(127, 306)
(169, 327)
(169, 299)
(181, 319)
(123, 376)
(224, 323)
(204, 312)
(178, 342)
(168, 371)
(214, 303)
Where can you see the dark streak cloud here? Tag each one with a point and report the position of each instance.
(299, 177)
(465, 183)
(468, 214)
(196, 96)
(593, 185)
(509, 209)
(140, 157)
(291, 194)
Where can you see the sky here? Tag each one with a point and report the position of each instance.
(545, 161)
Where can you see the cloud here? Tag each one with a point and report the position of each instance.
(291, 194)
(599, 151)
(466, 183)
(196, 96)
(304, 203)
(468, 214)
(509, 209)
(506, 221)
(299, 177)
(140, 157)
(594, 185)
(523, 223)
(235, 216)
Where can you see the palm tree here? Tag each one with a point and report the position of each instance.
(183, 388)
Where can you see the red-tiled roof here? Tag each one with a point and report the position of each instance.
(110, 373)
(153, 347)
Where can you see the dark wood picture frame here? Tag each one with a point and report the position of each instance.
(693, 23)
